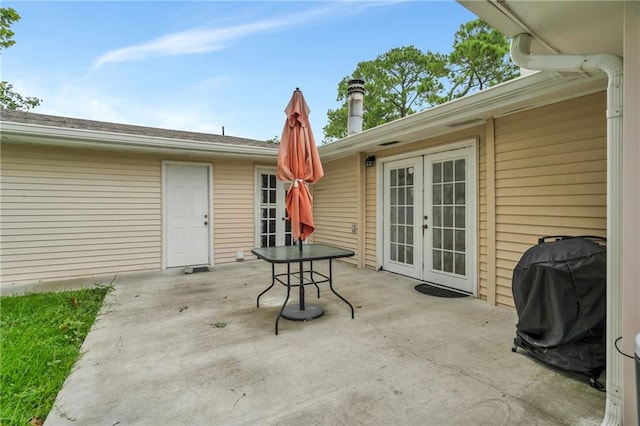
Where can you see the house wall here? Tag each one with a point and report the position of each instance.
(631, 210)
(335, 205)
(550, 179)
(68, 213)
(540, 172)
(370, 183)
(234, 209)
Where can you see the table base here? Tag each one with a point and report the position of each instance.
(302, 277)
(310, 311)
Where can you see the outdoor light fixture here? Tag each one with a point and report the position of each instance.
(370, 161)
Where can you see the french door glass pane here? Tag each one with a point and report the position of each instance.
(269, 218)
(448, 199)
(401, 215)
(288, 236)
(460, 170)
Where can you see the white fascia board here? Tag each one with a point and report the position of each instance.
(491, 102)
(82, 138)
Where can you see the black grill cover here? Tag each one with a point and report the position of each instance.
(559, 289)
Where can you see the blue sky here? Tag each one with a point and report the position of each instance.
(202, 65)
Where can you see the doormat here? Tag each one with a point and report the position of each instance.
(436, 291)
(193, 270)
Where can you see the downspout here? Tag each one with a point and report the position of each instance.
(612, 66)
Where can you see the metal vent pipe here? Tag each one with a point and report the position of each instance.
(356, 106)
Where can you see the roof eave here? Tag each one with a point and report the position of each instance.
(517, 94)
(90, 139)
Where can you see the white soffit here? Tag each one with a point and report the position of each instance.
(557, 26)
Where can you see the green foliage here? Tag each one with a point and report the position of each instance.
(480, 59)
(13, 100)
(8, 98)
(406, 80)
(7, 17)
(274, 139)
(40, 336)
(397, 83)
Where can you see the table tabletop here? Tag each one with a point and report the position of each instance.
(309, 252)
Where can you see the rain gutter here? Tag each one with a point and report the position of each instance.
(82, 138)
(612, 66)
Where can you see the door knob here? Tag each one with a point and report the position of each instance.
(425, 226)
(206, 223)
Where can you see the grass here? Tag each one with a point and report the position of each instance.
(40, 339)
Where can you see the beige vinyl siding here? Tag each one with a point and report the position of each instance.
(370, 218)
(233, 209)
(68, 213)
(335, 205)
(550, 179)
(483, 221)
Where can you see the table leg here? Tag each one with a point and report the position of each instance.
(312, 278)
(273, 281)
(334, 291)
(286, 300)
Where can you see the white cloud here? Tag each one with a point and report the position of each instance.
(186, 42)
(209, 40)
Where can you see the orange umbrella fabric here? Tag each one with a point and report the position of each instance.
(299, 163)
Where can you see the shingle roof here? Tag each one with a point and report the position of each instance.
(24, 117)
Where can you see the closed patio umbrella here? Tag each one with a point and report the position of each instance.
(299, 164)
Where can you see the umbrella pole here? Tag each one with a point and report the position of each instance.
(302, 307)
(301, 311)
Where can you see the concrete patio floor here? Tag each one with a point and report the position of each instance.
(156, 357)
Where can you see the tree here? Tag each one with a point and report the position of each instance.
(405, 80)
(480, 58)
(8, 98)
(397, 84)
(274, 139)
(7, 17)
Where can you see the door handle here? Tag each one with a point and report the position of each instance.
(425, 226)
(206, 223)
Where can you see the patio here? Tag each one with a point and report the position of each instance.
(159, 353)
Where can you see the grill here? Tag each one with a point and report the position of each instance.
(559, 289)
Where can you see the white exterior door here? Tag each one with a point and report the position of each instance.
(187, 215)
(429, 218)
(449, 220)
(273, 228)
(402, 216)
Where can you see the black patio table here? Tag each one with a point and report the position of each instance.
(310, 253)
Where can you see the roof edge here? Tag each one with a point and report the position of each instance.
(36, 134)
(495, 101)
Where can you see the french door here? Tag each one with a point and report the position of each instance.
(273, 228)
(429, 218)
(403, 217)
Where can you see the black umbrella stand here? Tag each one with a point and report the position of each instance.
(302, 311)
